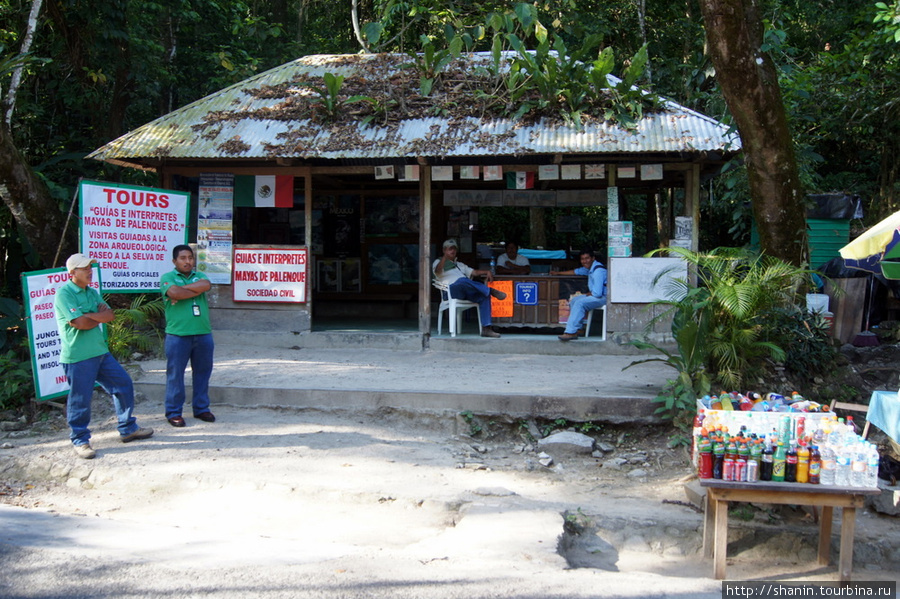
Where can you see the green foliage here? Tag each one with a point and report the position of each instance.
(11, 320)
(475, 427)
(805, 338)
(136, 327)
(16, 383)
(691, 328)
(889, 16)
(721, 324)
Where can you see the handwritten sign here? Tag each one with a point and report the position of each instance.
(502, 308)
(39, 289)
(270, 274)
(131, 231)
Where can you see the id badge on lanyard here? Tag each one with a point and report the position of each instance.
(196, 309)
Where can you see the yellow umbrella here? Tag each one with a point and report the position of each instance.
(871, 250)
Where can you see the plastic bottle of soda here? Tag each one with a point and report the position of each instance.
(753, 462)
(851, 426)
(698, 426)
(705, 459)
(766, 463)
(729, 462)
(718, 458)
(778, 463)
(815, 465)
(803, 458)
(790, 464)
(742, 456)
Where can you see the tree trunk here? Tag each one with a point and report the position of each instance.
(26, 48)
(31, 204)
(749, 82)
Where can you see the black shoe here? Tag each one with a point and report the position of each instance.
(205, 417)
(498, 294)
(141, 433)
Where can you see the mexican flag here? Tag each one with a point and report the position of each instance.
(267, 191)
(520, 180)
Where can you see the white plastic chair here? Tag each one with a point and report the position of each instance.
(456, 307)
(587, 327)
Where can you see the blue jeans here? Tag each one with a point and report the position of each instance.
(106, 371)
(198, 349)
(579, 306)
(473, 291)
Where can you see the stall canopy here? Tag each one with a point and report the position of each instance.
(287, 113)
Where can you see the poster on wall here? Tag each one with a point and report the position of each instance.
(39, 292)
(270, 274)
(215, 216)
(131, 231)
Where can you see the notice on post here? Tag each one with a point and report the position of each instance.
(39, 290)
(131, 232)
(270, 274)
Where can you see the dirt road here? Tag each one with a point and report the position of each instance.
(295, 503)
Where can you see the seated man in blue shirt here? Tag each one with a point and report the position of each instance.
(580, 305)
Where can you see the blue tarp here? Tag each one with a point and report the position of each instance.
(543, 254)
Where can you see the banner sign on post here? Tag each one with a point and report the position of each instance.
(39, 290)
(131, 231)
(270, 274)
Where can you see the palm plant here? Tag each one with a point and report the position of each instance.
(719, 325)
(135, 328)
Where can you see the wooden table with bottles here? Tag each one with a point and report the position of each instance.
(719, 493)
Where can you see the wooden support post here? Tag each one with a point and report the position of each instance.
(424, 245)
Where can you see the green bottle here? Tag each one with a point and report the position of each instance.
(779, 463)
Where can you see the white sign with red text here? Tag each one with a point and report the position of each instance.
(131, 232)
(39, 291)
(270, 274)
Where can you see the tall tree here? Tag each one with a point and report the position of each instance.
(749, 83)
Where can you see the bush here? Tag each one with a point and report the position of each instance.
(136, 327)
(805, 338)
(16, 384)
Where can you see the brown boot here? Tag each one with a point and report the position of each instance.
(498, 294)
(568, 336)
(489, 332)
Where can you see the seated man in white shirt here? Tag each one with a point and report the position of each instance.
(458, 277)
(511, 263)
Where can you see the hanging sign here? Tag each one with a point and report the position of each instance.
(131, 231)
(270, 274)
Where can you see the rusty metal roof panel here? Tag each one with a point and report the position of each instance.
(268, 116)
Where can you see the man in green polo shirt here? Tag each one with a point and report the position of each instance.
(80, 314)
(188, 336)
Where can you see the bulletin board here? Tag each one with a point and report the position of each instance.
(631, 280)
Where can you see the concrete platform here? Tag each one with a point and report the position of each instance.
(516, 376)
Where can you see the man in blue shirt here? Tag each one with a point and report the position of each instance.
(580, 305)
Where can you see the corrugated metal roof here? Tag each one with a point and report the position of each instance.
(268, 116)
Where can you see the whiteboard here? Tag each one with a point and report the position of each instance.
(631, 279)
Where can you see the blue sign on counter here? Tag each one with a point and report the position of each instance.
(527, 294)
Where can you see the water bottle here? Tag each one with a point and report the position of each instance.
(493, 265)
(858, 465)
(826, 474)
(842, 469)
(872, 467)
